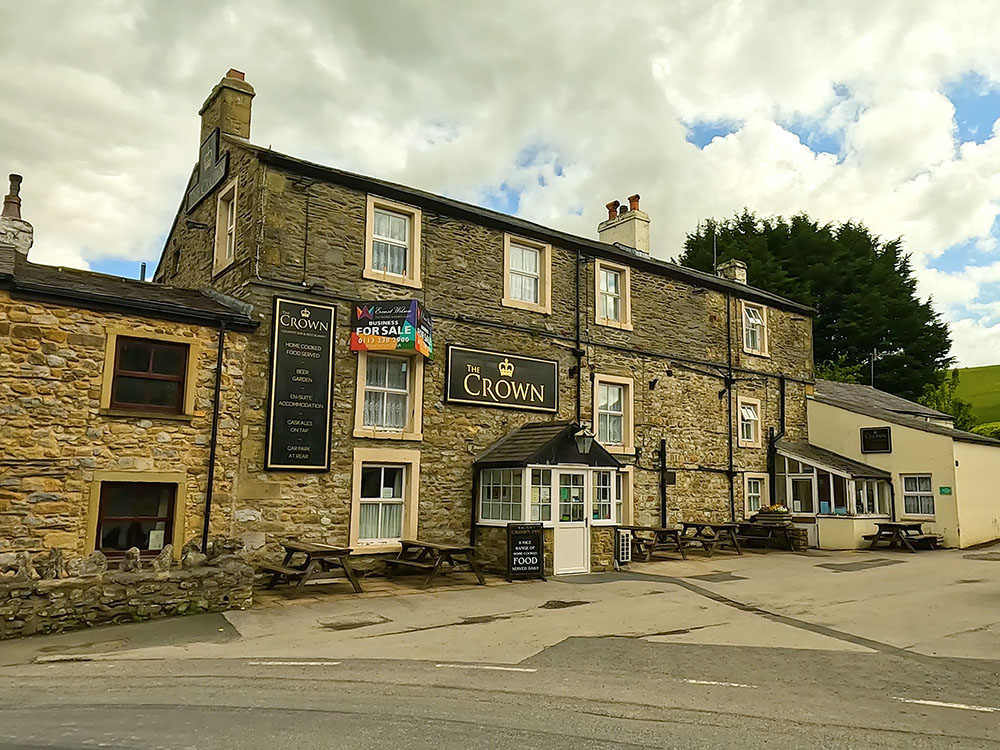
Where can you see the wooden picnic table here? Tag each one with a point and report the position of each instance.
(419, 555)
(320, 561)
(766, 532)
(649, 539)
(903, 533)
(711, 535)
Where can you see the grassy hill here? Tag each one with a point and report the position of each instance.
(980, 386)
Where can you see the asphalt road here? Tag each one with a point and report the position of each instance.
(583, 693)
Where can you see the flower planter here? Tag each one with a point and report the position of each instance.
(773, 517)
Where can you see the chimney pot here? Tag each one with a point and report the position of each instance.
(12, 201)
(13, 229)
(612, 209)
(237, 74)
(633, 202)
(622, 210)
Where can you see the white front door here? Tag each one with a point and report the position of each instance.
(571, 545)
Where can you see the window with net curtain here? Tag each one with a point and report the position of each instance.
(918, 495)
(386, 392)
(610, 414)
(525, 276)
(381, 509)
(611, 294)
(390, 242)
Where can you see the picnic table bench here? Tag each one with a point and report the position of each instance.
(768, 533)
(907, 534)
(711, 535)
(431, 557)
(321, 560)
(649, 539)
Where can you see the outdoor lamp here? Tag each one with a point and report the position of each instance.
(584, 440)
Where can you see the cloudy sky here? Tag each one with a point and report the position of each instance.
(887, 112)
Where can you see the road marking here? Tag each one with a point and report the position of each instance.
(724, 684)
(942, 704)
(486, 666)
(293, 663)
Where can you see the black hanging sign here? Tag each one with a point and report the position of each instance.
(525, 551)
(211, 170)
(876, 440)
(298, 418)
(498, 379)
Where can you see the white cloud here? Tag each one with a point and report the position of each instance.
(99, 112)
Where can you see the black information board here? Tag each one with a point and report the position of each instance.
(298, 416)
(876, 440)
(525, 551)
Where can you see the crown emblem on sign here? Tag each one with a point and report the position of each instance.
(506, 368)
(304, 312)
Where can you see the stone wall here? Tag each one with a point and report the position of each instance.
(93, 595)
(58, 440)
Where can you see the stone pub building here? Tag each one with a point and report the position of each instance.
(428, 368)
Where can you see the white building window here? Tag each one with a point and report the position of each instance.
(387, 383)
(754, 329)
(918, 495)
(500, 495)
(225, 227)
(607, 498)
(611, 413)
(392, 242)
(749, 416)
(381, 508)
(755, 489)
(526, 282)
(611, 294)
(541, 494)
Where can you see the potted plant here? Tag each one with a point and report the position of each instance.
(773, 514)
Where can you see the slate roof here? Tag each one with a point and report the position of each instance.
(530, 229)
(829, 460)
(543, 443)
(101, 291)
(863, 399)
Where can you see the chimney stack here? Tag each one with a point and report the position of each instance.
(626, 226)
(732, 269)
(13, 229)
(228, 106)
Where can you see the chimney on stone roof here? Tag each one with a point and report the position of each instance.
(629, 227)
(228, 106)
(732, 269)
(13, 229)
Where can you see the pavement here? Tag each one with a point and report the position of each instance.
(839, 649)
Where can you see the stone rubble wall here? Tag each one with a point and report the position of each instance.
(30, 604)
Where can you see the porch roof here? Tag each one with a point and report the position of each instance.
(830, 461)
(543, 443)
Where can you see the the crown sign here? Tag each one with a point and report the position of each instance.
(304, 312)
(506, 368)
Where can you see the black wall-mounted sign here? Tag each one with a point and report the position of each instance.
(498, 379)
(876, 440)
(211, 170)
(525, 551)
(298, 415)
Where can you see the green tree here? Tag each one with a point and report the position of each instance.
(861, 286)
(841, 371)
(943, 397)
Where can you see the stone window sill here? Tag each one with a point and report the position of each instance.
(125, 413)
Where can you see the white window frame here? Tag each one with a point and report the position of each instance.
(763, 481)
(515, 486)
(621, 505)
(748, 310)
(413, 428)
(754, 405)
(624, 320)
(382, 501)
(412, 276)
(409, 459)
(628, 426)
(544, 304)
(918, 494)
(226, 226)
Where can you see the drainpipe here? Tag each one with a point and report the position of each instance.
(215, 437)
(731, 473)
(772, 443)
(475, 498)
(663, 483)
(577, 351)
